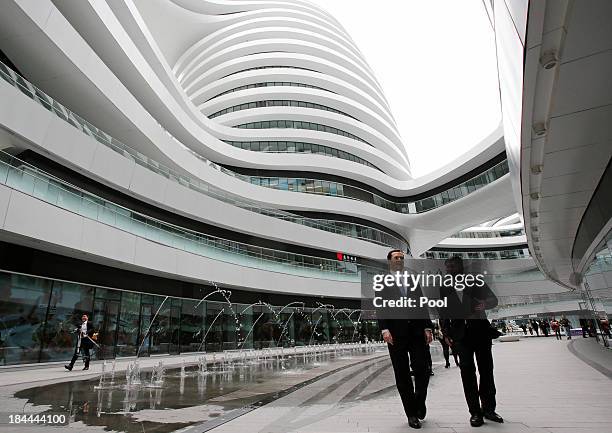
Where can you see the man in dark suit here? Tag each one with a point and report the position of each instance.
(84, 342)
(407, 340)
(467, 330)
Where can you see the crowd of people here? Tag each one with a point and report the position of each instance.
(559, 327)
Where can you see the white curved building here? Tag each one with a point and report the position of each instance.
(158, 147)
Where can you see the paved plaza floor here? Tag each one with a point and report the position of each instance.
(543, 386)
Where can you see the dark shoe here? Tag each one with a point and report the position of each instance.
(414, 422)
(447, 365)
(68, 367)
(422, 413)
(85, 368)
(476, 420)
(493, 416)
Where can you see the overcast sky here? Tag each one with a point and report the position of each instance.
(435, 60)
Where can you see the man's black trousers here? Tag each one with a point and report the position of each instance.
(406, 354)
(475, 394)
(85, 351)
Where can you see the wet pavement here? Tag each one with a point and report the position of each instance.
(190, 398)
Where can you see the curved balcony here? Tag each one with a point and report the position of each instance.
(516, 253)
(299, 147)
(337, 189)
(269, 84)
(296, 124)
(23, 177)
(347, 229)
(276, 103)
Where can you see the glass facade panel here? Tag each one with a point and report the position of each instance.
(38, 316)
(69, 302)
(128, 325)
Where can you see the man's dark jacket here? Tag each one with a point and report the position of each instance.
(415, 322)
(460, 314)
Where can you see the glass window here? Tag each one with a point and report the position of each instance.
(127, 331)
(23, 308)
(69, 302)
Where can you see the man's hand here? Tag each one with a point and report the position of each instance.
(449, 341)
(428, 336)
(387, 336)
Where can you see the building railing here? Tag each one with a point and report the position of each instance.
(337, 189)
(28, 179)
(502, 233)
(518, 253)
(37, 95)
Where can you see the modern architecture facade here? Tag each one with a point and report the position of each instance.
(204, 175)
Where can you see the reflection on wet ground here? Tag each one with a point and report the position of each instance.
(225, 391)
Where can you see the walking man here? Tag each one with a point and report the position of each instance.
(84, 343)
(468, 331)
(567, 326)
(407, 340)
(556, 327)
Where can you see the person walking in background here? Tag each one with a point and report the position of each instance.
(604, 325)
(556, 327)
(524, 327)
(446, 349)
(592, 328)
(545, 327)
(530, 329)
(584, 325)
(84, 343)
(536, 327)
(567, 326)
